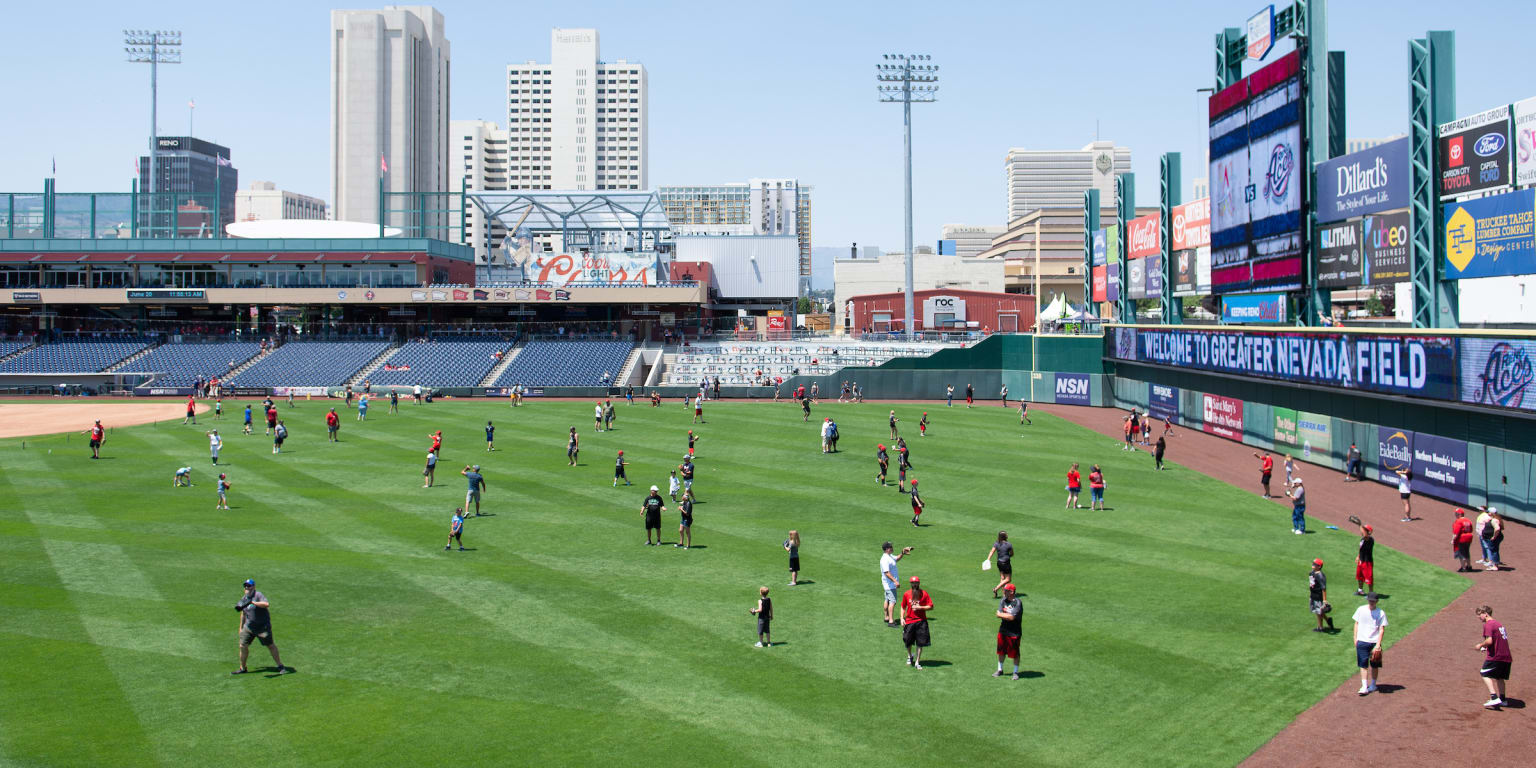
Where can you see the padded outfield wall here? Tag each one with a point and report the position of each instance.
(1452, 407)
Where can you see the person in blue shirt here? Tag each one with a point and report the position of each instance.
(456, 531)
(362, 408)
(247, 419)
(476, 484)
(490, 437)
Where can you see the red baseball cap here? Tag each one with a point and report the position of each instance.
(1367, 528)
(1318, 561)
(621, 453)
(881, 446)
(914, 482)
(1461, 512)
(914, 579)
(1009, 586)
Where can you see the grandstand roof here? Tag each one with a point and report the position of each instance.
(577, 209)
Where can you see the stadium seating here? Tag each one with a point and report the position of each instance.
(310, 364)
(12, 347)
(87, 356)
(178, 365)
(566, 363)
(441, 362)
(762, 362)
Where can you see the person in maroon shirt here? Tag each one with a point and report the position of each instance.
(1496, 664)
(1266, 468)
(332, 424)
(915, 605)
(271, 419)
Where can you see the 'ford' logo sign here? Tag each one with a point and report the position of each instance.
(1488, 144)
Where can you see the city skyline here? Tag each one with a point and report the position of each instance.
(807, 108)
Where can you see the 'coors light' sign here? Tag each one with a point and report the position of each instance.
(1141, 237)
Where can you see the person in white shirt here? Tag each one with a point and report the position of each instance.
(597, 418)
(826, 435)
(214, 444)
(1370, 626)
(183, 478)
(416, 393)
(890, 580)
(1405, 492)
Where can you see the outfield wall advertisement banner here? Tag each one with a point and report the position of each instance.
(1072, 389)
(1440, 467)
(1192, 224)
(1285, 428)
(1421, 366)
(1101, 283)
(1112, 283)
(1154, 276)
(1386, 248)
(1368, 181)
(1136, 278)
(1499, 372)
(1142, 236)
(1491, 236)
(1163, 401)
(1253, 308)
(1394, 452)
(1203, 270)
(1222, 416)
(1474, 153)
(1339, 257)
(1100, 248)
(1315, 431)
(1184, 273)
(1525, 142)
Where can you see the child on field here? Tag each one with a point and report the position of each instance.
(224, 486)
(764, 613)
(673, 485)
(183, 478)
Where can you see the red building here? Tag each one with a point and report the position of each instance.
(939, 310)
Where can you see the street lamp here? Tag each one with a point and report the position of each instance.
(903, 78)
(153, 48)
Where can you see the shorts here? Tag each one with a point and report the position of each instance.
(1318, 606)
(688, 484)
(652, 521)
(95, 443)
(618, 474)
(1098, 494)
(794, 563)
(698, 411)
(1074, 489)
(1005, 567)
(686, 522)
(277, 441)
(890, 594)
(1462, 549)
(571, 451)
(762, 626)
(265, 636)
(915, 633)
(470, 496)
(1264, 477)
(1364, 572)
(916, 510)
(1363, 656)
(1403, 496)
(1007, 646)
(1495, 670)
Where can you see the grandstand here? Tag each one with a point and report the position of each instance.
(179, 365)
(761, 363)
(8, 348)
(455, 361)
(84, 356)
(310, 364)
(566, 363)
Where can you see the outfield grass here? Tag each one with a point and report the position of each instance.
(1170, 630)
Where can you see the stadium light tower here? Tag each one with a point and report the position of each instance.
(907, 78)
(152, 48)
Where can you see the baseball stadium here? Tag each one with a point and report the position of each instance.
(1288, 549)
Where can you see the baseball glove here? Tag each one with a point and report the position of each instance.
(1327, 607)
(1354, 519)
(1376, 656)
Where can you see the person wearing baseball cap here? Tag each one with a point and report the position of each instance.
(1317, 589)
(915, 605)
(1365, 565)
(1370, 630)
(618, 470)
(917, 504)
(1011, 613)
(1298, 494)
(476, 485)
(884, 460)
(1461, 541)
(255, 624)
(651, 509)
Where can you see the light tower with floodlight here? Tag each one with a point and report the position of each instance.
(906, 79)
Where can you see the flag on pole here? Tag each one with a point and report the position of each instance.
(383, 166)
(55, 166)
(191, 103)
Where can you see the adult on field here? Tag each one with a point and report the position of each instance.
(255, 625)
(1266, 470)
(1461, 541)
(1317, 593)
(1004, 552)
(915, 605)
(1010, 613)
(1370, 628)
(652, 508)
(1298, 494)
(1496, 663)
(890, 579)
(332, 424)
(476, 485)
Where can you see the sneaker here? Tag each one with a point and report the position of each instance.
(240, 671)
(282, 670)
(1372, 688)
(1363, 690)
(909, 661)
(1298, 533)
(1493, 703)
(445, 549)
(998, 673)
(757, 645)
(1360, 592)
(1407, 520)
(461, 549)
(1491, 568)
(1317, 629)
(917, 665)
(677, 546)
(1015, 675)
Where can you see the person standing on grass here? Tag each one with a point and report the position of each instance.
(572, 448)
(490, 437)
(698, 409)
(1004, 552)
(1024, 413)
(290, 397)
(1405, 492)
(1365, 562)
(279, 436)
(608, 416)
(394, 401)
(1096, 487)
(1074, 487)
(651, 509)
(1157, 452)
(949, 396)
(884, 460)
(686, 468)
(826, 436)
(214, 444)
(431, 469)
(1317, 593)
(1370, 630)
(685, 523)
(271, 419)
(922, 425)
(792, 546)
(1298, 494)
(191, 417)
(222, 487)
(805, 410)
(692, 438)
(917, 505)
(1461, 541)
(247, 418)
(437, 443)
(476, 485)
(892, 420)
(332, 425)
(618, 471)
(970, 395)
(597, 417)
(890, 579)
(1497, 661)
(456, 531)
(349, 395)
(1010, 612)
(255, 625)
(673, 486)
(218, 409)
(362, 407)
(1266, 470)
(764, 613)
(915, 605)
(416, 393)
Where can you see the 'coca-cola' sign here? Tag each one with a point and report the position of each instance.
(1142, 236)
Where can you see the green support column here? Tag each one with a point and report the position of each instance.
(1311, 29)
(1431, 101)
(1171, 185)
(1229, 57)
(1090, 223)
(1125, 210)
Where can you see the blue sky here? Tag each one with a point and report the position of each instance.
(785, 89)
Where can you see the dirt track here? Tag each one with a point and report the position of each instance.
(1429, 710)
(47, 417)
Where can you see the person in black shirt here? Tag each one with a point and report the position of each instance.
(684, 526)
(805, 409)
(893, 421)
(652, 509)
(1004, 552)
(255, 624)
(618, 470)
(764, 613)
(885, 462)
(687, 470)
(1317, 592)
(917, 504)
(1157, 453)
(1010, 612)
(1365, 564)
(970, 395)
(902, 465)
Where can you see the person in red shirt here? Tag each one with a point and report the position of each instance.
(917, 505)
(191, 417)
(1096, 485)
(1461, 541)
(332, 424)
(1074, 487)
(1266, 468)
(1496, 665)
(437, 443)
(915, 605)
(271, 419)
(97, 435)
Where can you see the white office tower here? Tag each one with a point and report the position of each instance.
(577, 122)
(389, 109)
(478, 161)
(265, 202)
(1058, 178)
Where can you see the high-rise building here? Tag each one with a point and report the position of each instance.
(264, 201)
(1352, 146)
(577, 122)
(758, 207)
(969, 241)
(196, 178)
(1058, 178)
(478, 160)
(389, 108)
